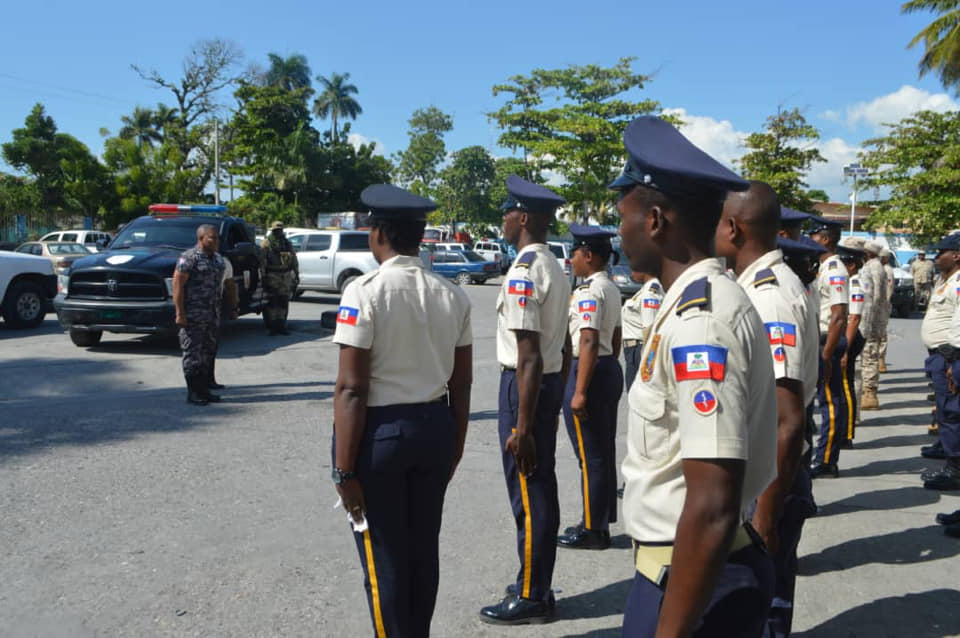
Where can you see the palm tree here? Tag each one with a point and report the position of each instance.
(140, 126)
(335, 100)
(287, 73)
(941, 39)
(163, 118)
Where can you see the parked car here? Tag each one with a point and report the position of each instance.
(93, 240)
(464, 266)
(903, 294)
(622, 276)
(61, 254)
(331, 259)
(129, 287)
(494, 250)
(27, 284)
(563, 251)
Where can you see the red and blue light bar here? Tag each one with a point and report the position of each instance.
(187, 208)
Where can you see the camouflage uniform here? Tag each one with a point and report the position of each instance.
(202, 306)
(922, 272)
(279, 275)
(885, 316)
(874, 280)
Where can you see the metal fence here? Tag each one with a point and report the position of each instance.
(20, 228)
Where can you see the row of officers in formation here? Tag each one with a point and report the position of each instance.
(741, 327)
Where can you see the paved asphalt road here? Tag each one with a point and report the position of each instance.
(127, 512)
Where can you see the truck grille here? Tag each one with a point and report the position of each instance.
(111, 284)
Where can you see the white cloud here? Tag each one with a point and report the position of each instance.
(717, 138)
(355, 140)
(892, 107)
(828, 175)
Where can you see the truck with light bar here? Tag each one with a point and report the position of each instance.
(128, 287)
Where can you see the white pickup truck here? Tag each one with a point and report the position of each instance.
(331, 259)
(27, 284)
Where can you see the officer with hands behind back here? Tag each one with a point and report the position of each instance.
(594, 386)
(533, 349)
(401, 406)
(701, 444)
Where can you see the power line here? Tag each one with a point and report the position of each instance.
(66, 89)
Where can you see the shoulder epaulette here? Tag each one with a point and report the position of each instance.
(655, 287)
(695, 295)
(833, 264)
(765, 276)
(524, 260)
(584, 286)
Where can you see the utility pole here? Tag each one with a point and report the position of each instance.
(216, 162)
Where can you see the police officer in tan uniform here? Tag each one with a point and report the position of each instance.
(701, 445)
(637, 316)
(874, 279)
(401, 405)
(747, 238)
(594, 386)
(533, 349)
(923, 278)
(834, 294)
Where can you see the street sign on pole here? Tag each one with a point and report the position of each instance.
(854, 170)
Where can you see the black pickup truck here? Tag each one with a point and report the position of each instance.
(129, 286)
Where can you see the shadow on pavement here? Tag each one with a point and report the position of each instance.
(906, 547)
(885, 381)
(919, 402)
(609, 632)
(878, 500)
(483, 415)
(273, 398)
(916, 418)
(929, 614)
(609, 600)
(899, 440)
(50, 326)
(914, 465)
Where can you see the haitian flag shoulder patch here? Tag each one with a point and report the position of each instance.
(348, 315)
(781, 332)
(520, 287)
(699, 362)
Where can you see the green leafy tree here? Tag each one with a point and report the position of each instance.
(940, 38)
(818, 195)
(141, 126)
(571, 121)
(344, 171)
(336, 101)
(503, 168)
(288, 73)
(919, 161)
(464, 193)
(33, 150)
(419, 165)
(781, 155)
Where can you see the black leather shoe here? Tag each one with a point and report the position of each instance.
(931, 398)
(514, 610)
(585, 539)
(949, 519)
(573, 529)
(952, 530)
(934, 451)
(213, 385)
(196, 399)
(824, 470)
(846, 444)
(941, 480)
(212, 398)
(511, 590)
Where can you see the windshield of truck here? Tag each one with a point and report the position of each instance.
(171, 232)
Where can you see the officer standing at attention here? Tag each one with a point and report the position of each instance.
(701, 444)
(861, 305)
(637, 316)
(594, 386)
(401, 405)
(280, 272)
(747, 238)
(922, 271)
(874, 279)
(885, 316)
(834, 294)
(941, 337)
(533, 349)
(196, 298)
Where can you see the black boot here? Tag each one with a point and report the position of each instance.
(193, 395)
(211, 378)
(204, 389)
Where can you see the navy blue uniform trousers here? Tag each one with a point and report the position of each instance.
(833, 407)
(849, 386)
(403, 466)
(948, 404)
(594, 440)
(631, 360)
(737, 609)
(536, 510)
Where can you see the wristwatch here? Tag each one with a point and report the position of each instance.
(339, 476)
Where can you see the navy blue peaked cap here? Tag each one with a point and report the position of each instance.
(387, 201)
(818, 224)
(950, 242)
(790, 216)
(530, 197)
(660, 157)
(803, 246)
(591, 236)
(849, 253)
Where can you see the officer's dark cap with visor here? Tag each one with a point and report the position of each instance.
(530, 198)
(950, 242)
(850, 254)
(661, 158)
(592, 237)
(391, 203)
(790, 218)
(821, 224)
(800, 247)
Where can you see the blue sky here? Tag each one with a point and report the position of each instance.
(724, 67)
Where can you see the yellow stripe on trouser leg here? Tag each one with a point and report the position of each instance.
(374, 587)
(833, 423)
(586, 479)
(527, 535)
(846, 391)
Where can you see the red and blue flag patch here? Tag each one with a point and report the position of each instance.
(779, 354)
(520, 287)
(780, 332)
(837, 280)
(588, 305)
(348, 315)
(651, 303)
(699, 362)
(857, 296)
(704, 402)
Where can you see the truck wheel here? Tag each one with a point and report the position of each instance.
(298, 293)
(23, 306)
(463, 278)
(346, 281)
(85, 338)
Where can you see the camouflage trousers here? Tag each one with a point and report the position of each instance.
(884, 324)
(198, 341)
(278, 287)
(870, 360)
